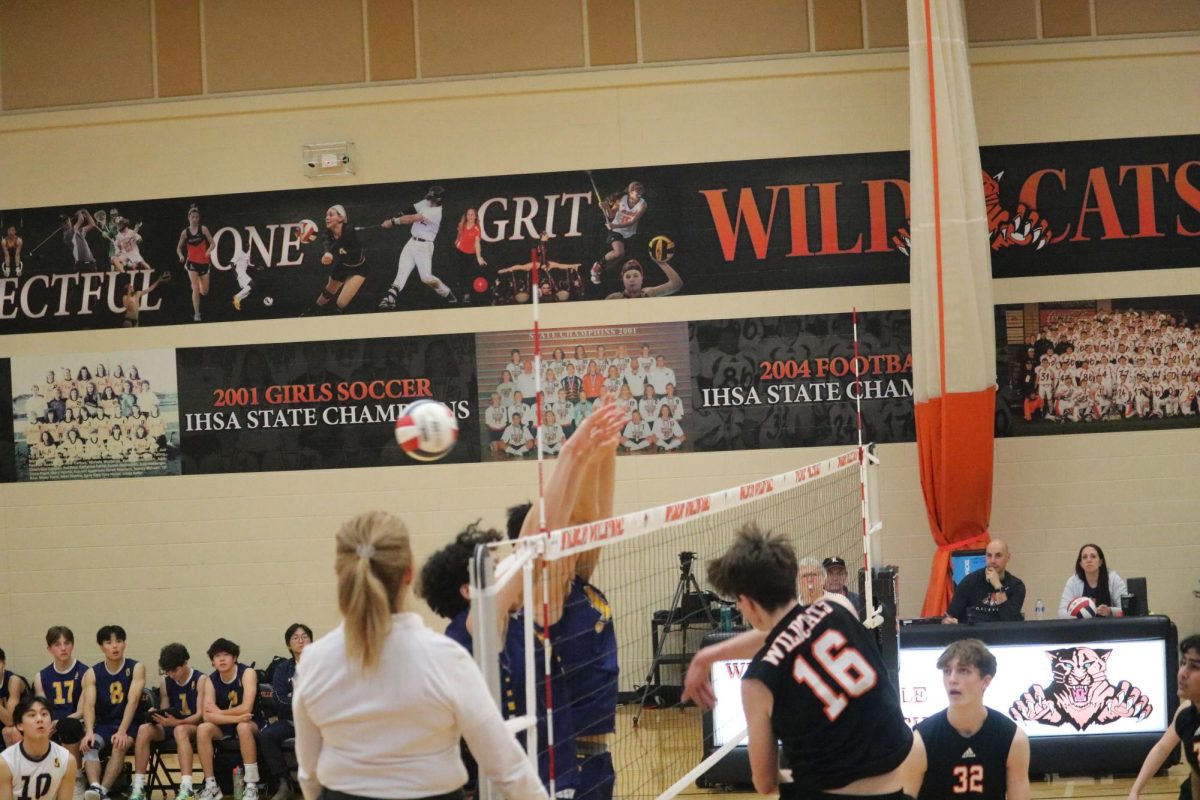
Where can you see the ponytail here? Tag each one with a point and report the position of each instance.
(373, 561)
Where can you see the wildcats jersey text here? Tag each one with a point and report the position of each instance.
(973, 768)
(835, 711)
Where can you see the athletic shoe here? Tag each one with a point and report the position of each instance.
(94, 792)
(451, 299)
(250, 792)
(597, 272)
(237, 303)
(6, 270)
(185, 793)
(20, 268)
(388, 303)
(466, 298)
(210, 792)
(195, 317)
(137, 794)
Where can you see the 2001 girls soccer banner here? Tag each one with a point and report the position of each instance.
(1055, 208)
(318, 405)
(1095, 366)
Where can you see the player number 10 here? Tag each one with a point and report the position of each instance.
(844, 664)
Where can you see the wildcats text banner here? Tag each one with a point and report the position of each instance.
(787, 223)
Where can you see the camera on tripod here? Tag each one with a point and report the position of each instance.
(686, 558)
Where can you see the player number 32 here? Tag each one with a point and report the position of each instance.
(845, 665)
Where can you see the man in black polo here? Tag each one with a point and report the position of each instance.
(991, 594)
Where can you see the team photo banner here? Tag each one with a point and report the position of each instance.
(1095, 366)
(788, 223)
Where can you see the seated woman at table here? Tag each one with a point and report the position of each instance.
(1093, 579)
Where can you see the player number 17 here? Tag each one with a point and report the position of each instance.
(844, 664)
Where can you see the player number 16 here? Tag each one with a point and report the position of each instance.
(844, 664)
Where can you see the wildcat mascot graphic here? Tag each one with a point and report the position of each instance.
(1080, 693)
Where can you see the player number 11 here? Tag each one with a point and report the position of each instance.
(844, 664)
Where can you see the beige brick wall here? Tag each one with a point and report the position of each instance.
(193, 558)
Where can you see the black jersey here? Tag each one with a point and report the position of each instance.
(835, 711)
(1187, 728)
(966, 766)
(347, 250)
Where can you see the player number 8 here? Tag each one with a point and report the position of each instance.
(845, 665)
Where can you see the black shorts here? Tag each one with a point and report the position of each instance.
(200, 269)
(342, 272)
(614, 236)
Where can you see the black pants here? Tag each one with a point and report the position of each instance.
(270, 748)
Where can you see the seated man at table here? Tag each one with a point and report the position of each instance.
(991, 594)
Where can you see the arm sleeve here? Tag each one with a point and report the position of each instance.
(1011, 610)
(958, 603)
(308, 749)
(1068, 594)
(281, 684)
(479, 721)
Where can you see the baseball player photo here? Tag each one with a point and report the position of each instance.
(424, 218)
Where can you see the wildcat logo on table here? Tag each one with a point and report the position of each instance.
(1080, 694)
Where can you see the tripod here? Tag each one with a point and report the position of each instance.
(686, 587)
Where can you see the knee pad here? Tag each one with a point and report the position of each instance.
(91, 755)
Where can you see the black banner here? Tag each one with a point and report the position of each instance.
(768, 382)
(1097, 366)
(319, 405)
(1057, 208)
(8, 472)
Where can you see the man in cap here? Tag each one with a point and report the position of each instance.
(835, 582)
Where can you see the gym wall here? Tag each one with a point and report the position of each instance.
(193, 558)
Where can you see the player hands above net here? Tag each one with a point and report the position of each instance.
(579, 490)
(817, 685)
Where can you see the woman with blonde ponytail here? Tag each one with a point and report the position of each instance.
(382, 701)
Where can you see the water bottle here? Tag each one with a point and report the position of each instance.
(1039, 609)
(726, 619)
(239, 783)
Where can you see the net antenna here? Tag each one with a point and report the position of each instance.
(866, 459)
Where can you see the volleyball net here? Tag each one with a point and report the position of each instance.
(628, 603)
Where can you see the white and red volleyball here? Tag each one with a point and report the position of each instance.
(427, 430)
(308, 230)
(1082, 608)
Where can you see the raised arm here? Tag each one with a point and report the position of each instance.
(674, 281)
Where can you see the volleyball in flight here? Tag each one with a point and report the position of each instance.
(427, 430)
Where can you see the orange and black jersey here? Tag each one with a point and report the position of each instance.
(968, 767)
(835, 711)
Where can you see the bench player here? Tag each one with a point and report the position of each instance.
(180, 715)
(62, 684)
(228, 705)
(112, 689)
(972, 751)
(36, 768)
(12, 688)
(818, 685)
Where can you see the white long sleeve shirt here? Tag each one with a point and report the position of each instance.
(1074, 588)
(393, 732)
